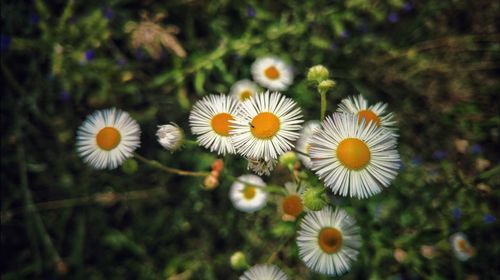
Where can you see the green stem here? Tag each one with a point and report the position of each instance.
(156, 164)
(323, 105)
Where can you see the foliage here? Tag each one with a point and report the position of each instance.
(435, 63)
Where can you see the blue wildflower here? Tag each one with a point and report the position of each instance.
(251, 12)
(89, 55)
(416, 160)
(489, 219)
(408, 6)
(456, 213)
(108, 13)
(64, 96)
(393, 17)
(34, 19)
(476, 149)
(4, 42)
(401, 166)
(439, 155)
(345, 34)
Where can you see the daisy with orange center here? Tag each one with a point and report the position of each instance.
(247, 193)
(328, 241)
(303, 144)
(353, 159)
(266, 126)
(461, 246)
(264, 272)
(292, 204)
(272, 73)
(107, 138)
(210, 120)
(376, 114)
(243, 89)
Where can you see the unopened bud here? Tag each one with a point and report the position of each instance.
(239, 261)
(313, 199)
(288, 159)
(326, 85)
(170, 136)
(317, 73)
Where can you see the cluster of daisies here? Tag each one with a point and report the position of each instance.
(354, 152)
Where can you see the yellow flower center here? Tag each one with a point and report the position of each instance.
(272, 73)
(368, 116)
(265, 125)
(220, 123)
(249, 192)
(245, 95)
(292, 205)
(353, 153)
(462, 245)
(330, 240)
(108, 138)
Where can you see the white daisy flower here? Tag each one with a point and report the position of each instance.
(264, 272)
(292, 204)
(461, 246)
(266, 126)
(303, 144)
(260, 166)
(272, 73)
(210, 121)
(247, 193)
(170, 136)
(107, 138)
(354, 160)
(328, 241)
(375, 113)
(243, 89)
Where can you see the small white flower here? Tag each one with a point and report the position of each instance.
(107, 138)
(375, 113)
(272, 73)
(292, 204)
(247, 193)
(261, 166)
(461, 246)
(353, 159)
(170, 136)
(210, 121)
(264, 272)
(303, 144)
(243, 89)
(328, 241)
(266, 126)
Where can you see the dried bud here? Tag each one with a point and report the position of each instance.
(218, 165)
(400, 255)
(210, 182)
(482, 164)
(428, 251)
(106, 198)
(461, 145)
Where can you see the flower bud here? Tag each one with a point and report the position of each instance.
(239, 261)
(170, 136)
(317, 73)
(313, 199)
(210, 182)
(288, 159)
(218, 165)
(326, 85)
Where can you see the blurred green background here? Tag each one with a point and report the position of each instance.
(436, 63)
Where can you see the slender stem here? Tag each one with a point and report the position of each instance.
(278, 249)
(156, 164)
(301, 153)
(323, 105)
